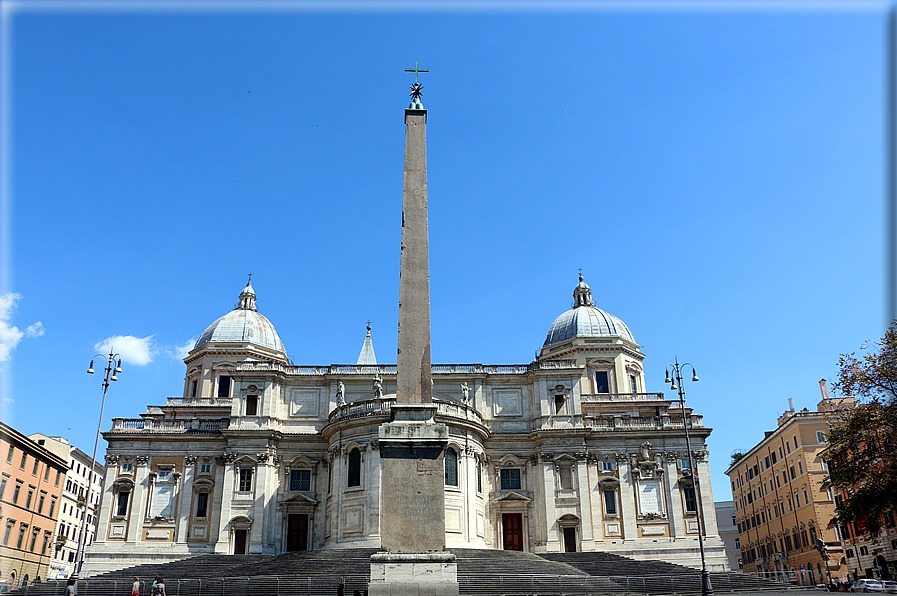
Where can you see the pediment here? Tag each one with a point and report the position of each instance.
(126, 483)
(513, 497)
(299, 499)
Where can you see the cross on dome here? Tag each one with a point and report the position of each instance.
(247, 296)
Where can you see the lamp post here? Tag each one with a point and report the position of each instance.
(111, 369)
(676, 369)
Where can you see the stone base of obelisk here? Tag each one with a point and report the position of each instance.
(413, 574)
(412, 518)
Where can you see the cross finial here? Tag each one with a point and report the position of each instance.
(416, 70)
(369, 326)
(250, 277)
(580, 274)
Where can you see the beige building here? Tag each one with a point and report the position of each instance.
(728, 532)
(31, 481)
(781, 506)
(75, 505)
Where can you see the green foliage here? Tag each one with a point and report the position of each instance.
(862, 451)
(736, 457)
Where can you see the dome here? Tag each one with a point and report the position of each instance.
(586, 320)
(244, 324)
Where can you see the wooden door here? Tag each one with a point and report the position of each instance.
(239, 542)
(569, 540)
(512, 526)
(297, 532)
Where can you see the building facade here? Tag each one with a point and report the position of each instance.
(258, 455)
(728, 532)
(782, 508)
(31, 481)
(76, 503)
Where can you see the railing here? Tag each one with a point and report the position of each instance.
(348, 585)
(592, 398)
(199, 402)
(382, 407)
(125, 425)
(642, 423)
(390, 369)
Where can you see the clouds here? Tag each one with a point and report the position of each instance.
(140, 351)
(10, 335)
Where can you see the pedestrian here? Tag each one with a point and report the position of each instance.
(135, 588)
(71, 588)
(159, 588)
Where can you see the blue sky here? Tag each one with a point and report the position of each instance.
(715, 169)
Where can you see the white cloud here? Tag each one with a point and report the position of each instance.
(10, 336)
(180, 352)
(133, 350)
(35, 330)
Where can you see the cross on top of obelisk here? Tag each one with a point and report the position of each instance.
(416, 89)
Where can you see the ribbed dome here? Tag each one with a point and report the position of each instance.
(244, 324)
(586, 320)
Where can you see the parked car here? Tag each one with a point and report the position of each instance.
(890, 587)
(867, 585)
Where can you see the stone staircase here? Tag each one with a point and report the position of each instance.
(658, 577)
(480, 572)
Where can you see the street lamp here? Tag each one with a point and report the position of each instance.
(676, 369)
(112, 368)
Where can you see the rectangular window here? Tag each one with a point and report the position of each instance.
(806, 497)
(510, 479)
(610, 502)
(40, 502)
(787, 543)
(252, 405)
(849, 553)
(792, 472)
(300, 479)
(43, 548)
(205, 469)
(52, 506)
(775, 509)
(164, 475)
(795, 442)
(121, 509)
(3, 482)
(813, 536)
(9, 526)
(24, 461)
(22, 529)
(864, 550)
(790, 508)
(126, 468)
(46, 473)
(479, 477)
(800, 467)
(633, 383)
(602, 385)
(58, 476)
(193, 388)
(202, 505)
(223, 386)
(766, 462)
(565, 473)
(820, 437)
(12, 449)
(691, 503)
(788, 446)
(773, 457)
(15, 493)
(245, 484)
(34, 535)
(36, 467)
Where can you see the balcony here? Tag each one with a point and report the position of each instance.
(390, 369)
(619, 423)
(199, 402)
(600, 398)
(149, 425)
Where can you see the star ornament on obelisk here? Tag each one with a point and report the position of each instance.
(412, 444)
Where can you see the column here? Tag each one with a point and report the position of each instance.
(139, 498)
(585, 505)
(628, 506)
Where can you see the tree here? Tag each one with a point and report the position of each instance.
(862, 450)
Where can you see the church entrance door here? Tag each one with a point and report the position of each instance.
(569, 540)
(297, 532)
(239, 542)
(512, 525)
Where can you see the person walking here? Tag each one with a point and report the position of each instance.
(71, 588)
(135, 587)
(159, 588)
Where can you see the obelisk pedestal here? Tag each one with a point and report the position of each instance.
(412, 444)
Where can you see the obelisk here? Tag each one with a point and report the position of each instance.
(412, 497)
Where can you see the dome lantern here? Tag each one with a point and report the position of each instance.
(586, 320)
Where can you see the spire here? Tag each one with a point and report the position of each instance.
(582, 294)
(247, 297)
(367, 356)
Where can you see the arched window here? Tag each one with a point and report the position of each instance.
(355, 467)
(451, 467)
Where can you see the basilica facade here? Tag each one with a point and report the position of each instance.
(260, 455)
